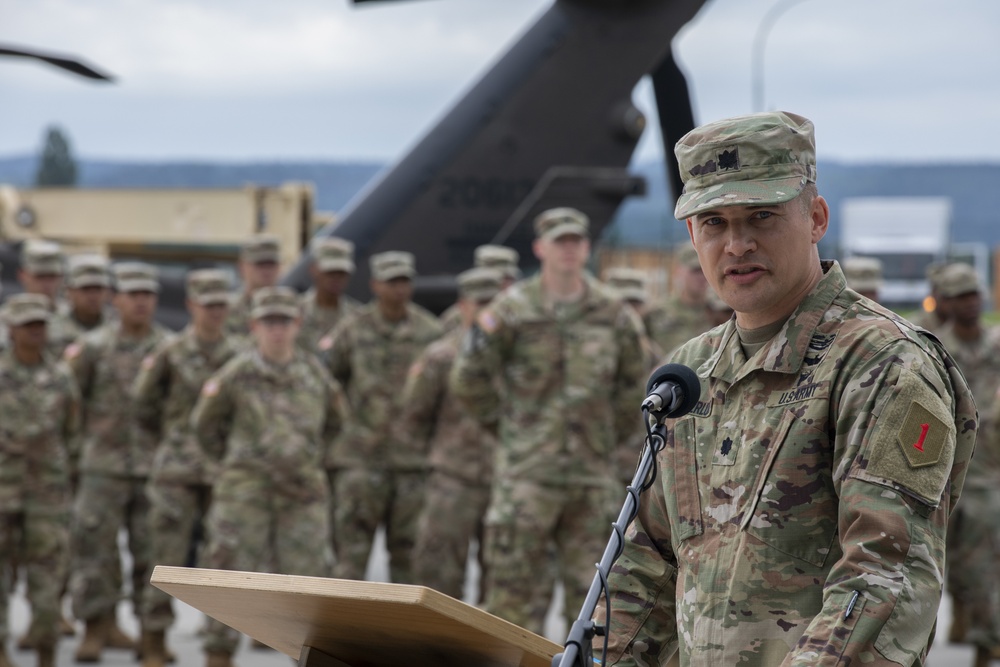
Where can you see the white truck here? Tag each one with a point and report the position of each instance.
(906, 234)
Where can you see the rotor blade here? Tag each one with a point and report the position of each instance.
(68, 64)
(673, 106)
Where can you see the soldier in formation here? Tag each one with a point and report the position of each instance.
(180, 481)
(376, 473)
(489, 256)
(326, 304)
(265, 422)
(88, 284)
(973, 535)
(800, 513)
(259, 267)
(864, 275)
(39, 402)
(114, 460)
(556, 364)
(458, 450)
(683, 316)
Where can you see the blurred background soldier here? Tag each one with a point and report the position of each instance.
(260, 265)
(719, 312)
(973, 532)
(180, 480)
(87, 286)
(114, 461)
(41, 271)
(934, 314)
(682, 317)
(488, 256)
(39, 404)
(460, 450)
(266, 419)
(325, 304)
(864, 275)
(376, 479)
(566, 353)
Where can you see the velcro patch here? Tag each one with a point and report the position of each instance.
(210, 388)
(913, 442)
(487, 321)
(148, 362)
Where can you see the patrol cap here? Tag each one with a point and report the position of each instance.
(687, 256)
(498, 257)
(136, 277)
(763, 158)
(393, 264)
(556, 222)
(629, 283)
(864, 274)
(261, 248)
(24, 308)
(480, 284)
(278, 301)
(332, 254)
(42, 258)
(87, 271)
(208, 286)
(933, 273)
(958, 279)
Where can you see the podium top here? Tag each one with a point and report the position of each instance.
(360, 623)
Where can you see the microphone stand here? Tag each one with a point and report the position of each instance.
(577, 649)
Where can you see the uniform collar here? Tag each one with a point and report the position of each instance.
(786, 351)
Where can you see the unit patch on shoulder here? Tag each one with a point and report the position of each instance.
(325, 343)
(487, 321)
(72, 351)
(912, 442)
(922, 436)
(210, 388)
(148, 362)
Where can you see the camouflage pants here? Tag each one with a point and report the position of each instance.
(452, 515)
(974, 563)
(174, 511)
(38, 541)
(250, 525)
(530, 524)
(365, 498)
(104, 504)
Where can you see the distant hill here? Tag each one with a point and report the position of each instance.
(646, 221)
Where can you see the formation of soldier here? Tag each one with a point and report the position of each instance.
(278, 432)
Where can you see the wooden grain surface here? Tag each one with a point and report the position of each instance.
(361, 623)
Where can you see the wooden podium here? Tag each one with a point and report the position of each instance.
(339, 623)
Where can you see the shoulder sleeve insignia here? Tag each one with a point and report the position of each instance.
(72, 351)
(912, 442)
(148, 362)
(210, 388)
(325, 343)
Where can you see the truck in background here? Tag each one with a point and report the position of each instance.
(907, 234)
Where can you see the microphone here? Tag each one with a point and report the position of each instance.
(672, 391)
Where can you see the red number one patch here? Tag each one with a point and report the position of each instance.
(919, 444)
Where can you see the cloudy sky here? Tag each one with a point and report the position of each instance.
(884, 80)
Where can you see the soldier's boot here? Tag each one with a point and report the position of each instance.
(117, 637)
(218, 659)
(95, 637)
(154, 652)
(959, 626)
(47, 655)
(66, 627)
(4, 660)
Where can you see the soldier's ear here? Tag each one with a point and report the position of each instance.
(819, 216)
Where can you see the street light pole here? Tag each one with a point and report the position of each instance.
(757, 53)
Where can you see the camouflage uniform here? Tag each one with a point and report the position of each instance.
(327, 254)
(166, 391)
(115, 461)
(460, 455)
(800, 510)
(258, 248)
(973, 535)
(39, 407)
(377, 476)
(267, 427)
(672, 324)
(498, 257)
(572, 377)
(84, 271)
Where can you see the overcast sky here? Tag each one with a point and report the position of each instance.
(884, 80)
